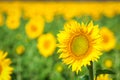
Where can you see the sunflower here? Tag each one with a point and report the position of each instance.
(12, 22)
(109, 40)
(46, 44)
(59, 67)
(103, 77)
(14, 11)
(108, 63)
(34, 28)
(1, 20)
(5, 69)
(79, 44)
(20, 49)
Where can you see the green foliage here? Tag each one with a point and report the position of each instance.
(98, 72)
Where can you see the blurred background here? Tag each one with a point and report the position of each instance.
(28, 32)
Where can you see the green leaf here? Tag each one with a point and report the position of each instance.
(86, 77)
(13, 76)
(98, 72)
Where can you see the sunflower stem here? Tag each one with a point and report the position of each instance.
(90, 69)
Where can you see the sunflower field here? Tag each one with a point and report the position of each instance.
(59, 40)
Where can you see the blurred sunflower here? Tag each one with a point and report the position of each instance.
(12, 22)
(109, 39)
(34, 28)
(1, 20)
(49, 14)
(46, 44)
(103, 77)
(49, 17)
(59, 67)
(108, 63)
(14, 11)
(79, 44)
(20, 49)
(5, 69)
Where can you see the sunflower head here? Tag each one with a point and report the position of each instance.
(79, 44)
(103, 77)
(59, 67)
(108, 63)
(109, 39)
(5, 69)
(20, 49)
(1, 19)
(46, 44)
(12, 22)
(34, 27)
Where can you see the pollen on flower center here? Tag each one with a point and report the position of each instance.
(0, 69)
(79, 45)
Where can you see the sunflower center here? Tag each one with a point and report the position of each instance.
(46, 44)
(33, 28)
(0, 69)
(79, 45)
(105, 39)
(12, 21)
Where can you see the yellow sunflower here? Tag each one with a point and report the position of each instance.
(34, 28)
(108, 63)
(59, 68)
(1, 20)
(12, 22)
(79, 44)
(20, 49)
(103, 77)
(5, 69)
(46, 44)
(109, 40)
